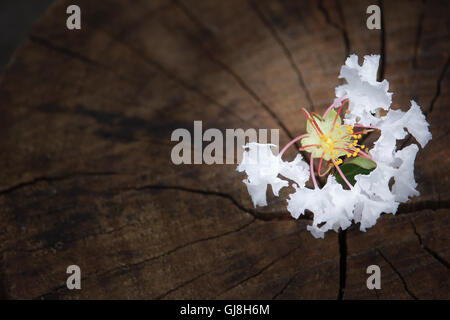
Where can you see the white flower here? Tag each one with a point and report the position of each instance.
(338, 203)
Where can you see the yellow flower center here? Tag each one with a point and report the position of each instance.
(329, 139)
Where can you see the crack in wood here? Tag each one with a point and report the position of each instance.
(183, 284)
(285, 50)
(418, 35)
(3, 286)
(438, 87)
(252, 93)
(175, 78)
(434, 254)
(191, 16)
(405, 286)
(342, 237)
(52, 246)
(128, 267)
(342, 240)
(433, 100)
(147, 60)
(51, 294)
(414, 206)
(292, 278)
(272, 216)
(267, 266)
(341, 28)
(239, 80)
(75, 55)
(283, 289)
(382, 44)
(34, 181)
(65, 51)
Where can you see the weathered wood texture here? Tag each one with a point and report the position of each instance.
(86, 178)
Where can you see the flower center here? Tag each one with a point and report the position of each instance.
(328, 139)
(327, 143)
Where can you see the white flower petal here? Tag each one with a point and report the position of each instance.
(417, 124)
(367, 211)
(257, 192)
(376, 184)
(405, 184)
(296, 170)
(332, 206)
(365, 93)
(263, 167)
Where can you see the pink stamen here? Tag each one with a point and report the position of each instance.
(308, 146)
(333, 105)
(320, 167)
(292, 142)
(311, 169)
(365, 155)
(361, 126)
(313, 122)
(337, 115)
(342, 175)
(361, 153)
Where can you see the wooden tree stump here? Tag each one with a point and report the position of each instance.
(87, 177)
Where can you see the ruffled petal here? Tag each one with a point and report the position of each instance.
(365, 93)
(263, 168)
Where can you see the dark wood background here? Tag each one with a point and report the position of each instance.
(86, 175)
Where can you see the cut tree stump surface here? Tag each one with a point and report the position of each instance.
(87, 177)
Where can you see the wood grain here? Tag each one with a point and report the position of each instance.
(86, 173)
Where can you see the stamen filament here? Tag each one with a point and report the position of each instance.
(308, 146)
(334, 105)
(337, 115)
(311, 170)
(292, 142)
(313, 122)
(320, 164)
(365, 155)
(361, 126)
(362, 154)
(320, 168)
(313, 114)
(342, 175)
